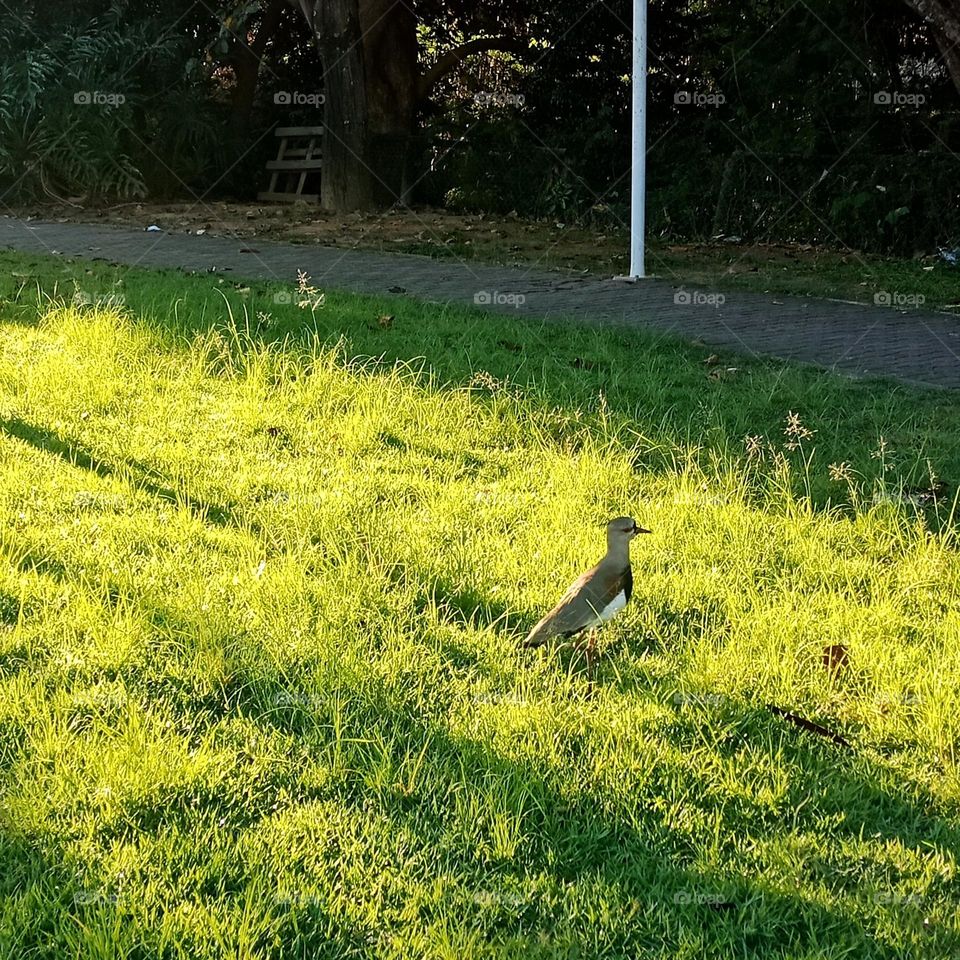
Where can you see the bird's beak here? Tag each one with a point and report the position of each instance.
(639, 529)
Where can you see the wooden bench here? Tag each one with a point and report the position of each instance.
(298, 156)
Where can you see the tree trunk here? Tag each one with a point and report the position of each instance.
(370, 57)
(951, 57)
(346, 182)
(390, 53)
(944, 17)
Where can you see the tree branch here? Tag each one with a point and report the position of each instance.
(268, 26)
(247, 57)
(942, 15)
(449, 60)
(951, 57)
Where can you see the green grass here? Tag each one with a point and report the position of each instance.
(905, 284)
(262, 575)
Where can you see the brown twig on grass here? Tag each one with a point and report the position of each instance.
(809, 725)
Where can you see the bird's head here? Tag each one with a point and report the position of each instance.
(623, 530)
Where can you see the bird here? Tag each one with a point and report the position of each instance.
(596, 597)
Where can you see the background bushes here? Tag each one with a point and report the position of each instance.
(788, 142)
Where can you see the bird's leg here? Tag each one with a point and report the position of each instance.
(591, 650)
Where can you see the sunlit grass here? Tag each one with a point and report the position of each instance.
(262, 576)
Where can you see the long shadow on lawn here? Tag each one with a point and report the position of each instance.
(655, 384)
(640, 861)
(142, 476)
(49, 911)
(47, 905)
(647, 380)
(652, 866)
(578, 367)
(576, 838)
(25, 886)
(646, 864)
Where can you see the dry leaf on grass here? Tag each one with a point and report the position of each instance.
(835, 657)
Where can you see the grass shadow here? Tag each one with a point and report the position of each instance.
(670, 889)
(651, 867)
(140, 475)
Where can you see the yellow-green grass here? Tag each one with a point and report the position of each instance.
(263, 570)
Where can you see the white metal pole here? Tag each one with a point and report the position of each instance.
(638, 177)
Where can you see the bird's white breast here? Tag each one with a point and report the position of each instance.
(613, 607)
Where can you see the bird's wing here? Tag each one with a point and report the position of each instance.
(580, 606)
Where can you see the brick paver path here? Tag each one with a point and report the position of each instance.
(915, 346)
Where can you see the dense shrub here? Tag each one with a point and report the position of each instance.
(788, 141)
(817, 122)
(115, 106)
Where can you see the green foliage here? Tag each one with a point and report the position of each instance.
(100, 108)
(792, 147)
(501, 167)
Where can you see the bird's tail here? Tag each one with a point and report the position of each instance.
(537, 637)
